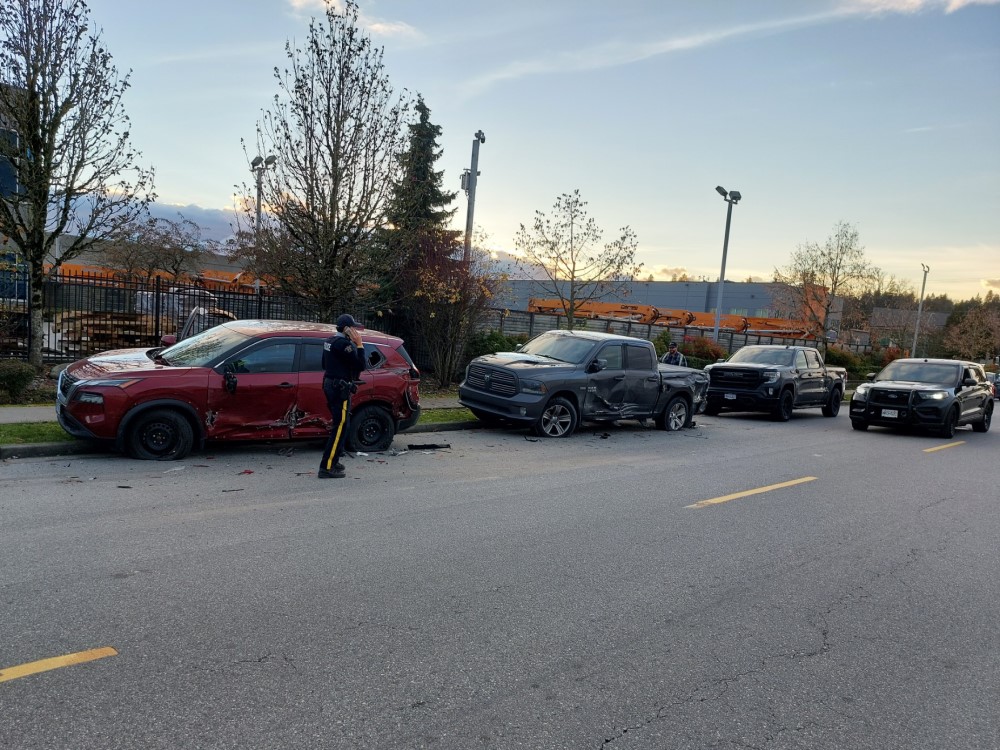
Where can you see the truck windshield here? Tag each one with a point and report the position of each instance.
(778, 357)
(205, 347)
(556, 346)
(920, 372)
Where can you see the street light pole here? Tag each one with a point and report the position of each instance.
(920, 309)
(257, 166)
(469, 184)
(732, 197)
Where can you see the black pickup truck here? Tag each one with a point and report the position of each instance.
(775, 379)
(562, 378)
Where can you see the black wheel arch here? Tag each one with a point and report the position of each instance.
(182, 407)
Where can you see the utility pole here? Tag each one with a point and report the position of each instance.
(469, 185)
(920, 309)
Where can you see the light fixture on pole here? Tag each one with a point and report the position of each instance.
(257, 166)
(920, 309)
(732, 197)
(469, 185)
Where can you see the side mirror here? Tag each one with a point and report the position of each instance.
(870, 376)
(168, 339)
(970, 381)
(230, 379)
(597, 365)
(518, 347)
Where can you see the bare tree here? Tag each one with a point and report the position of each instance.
(565, 247)
(336, 128)
(818, 277)
(76, 170)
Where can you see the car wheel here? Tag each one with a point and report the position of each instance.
(675, 415)
(950, 423)
(984, 424)
(558, 419)
(859, 425)
(371, 429)
(832, 407)
(712, 411)
(159, 435)
(783, 411)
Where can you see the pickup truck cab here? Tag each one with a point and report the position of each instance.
(775, 379)
(562, 378)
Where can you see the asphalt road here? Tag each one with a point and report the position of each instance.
(504, 593)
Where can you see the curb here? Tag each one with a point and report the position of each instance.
(89, 447)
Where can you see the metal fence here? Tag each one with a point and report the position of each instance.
(84, 314)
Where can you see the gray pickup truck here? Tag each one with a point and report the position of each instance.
(562, 378)
(775, 379)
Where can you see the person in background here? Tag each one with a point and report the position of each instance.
(673, 356)
(343, 362)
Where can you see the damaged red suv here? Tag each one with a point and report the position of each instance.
(242, 380)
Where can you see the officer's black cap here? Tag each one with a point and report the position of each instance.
(345, 321)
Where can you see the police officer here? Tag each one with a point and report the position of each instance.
(343, 362)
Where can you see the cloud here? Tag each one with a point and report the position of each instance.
(614, 54)
(991, 283)
(375, 26)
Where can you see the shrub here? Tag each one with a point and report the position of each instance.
(15, 378)
(661, 341)
(489, 342)
(701, 348)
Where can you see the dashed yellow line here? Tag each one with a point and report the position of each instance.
(747, 493)
(44, 665)
(945, 446)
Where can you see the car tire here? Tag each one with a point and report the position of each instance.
(675, 415)
(159, 435)
(859, 424)
(559, 419)
(950, 423)
(832, 407)
(783, 411)
(371, 430)
(983, 425)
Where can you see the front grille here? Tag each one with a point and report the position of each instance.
(491, 380)
(735, 378)
(889, 397)
(66, 382)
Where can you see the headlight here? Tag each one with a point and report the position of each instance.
(934, 395)
(534, 387)
(770, 376)
(86, 397)
(861, 392)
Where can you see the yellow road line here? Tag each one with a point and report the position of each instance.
(44, 665)
(945, 446)
(745, 493)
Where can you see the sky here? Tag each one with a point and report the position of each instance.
(884, 114)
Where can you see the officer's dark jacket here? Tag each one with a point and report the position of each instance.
(341, 359)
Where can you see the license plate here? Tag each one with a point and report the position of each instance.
(730, 396)
(890, 413)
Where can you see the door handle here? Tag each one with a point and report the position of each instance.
(286, 385)
(619, 378)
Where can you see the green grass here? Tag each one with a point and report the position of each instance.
(24, 433)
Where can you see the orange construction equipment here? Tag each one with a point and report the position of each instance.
(676, 318)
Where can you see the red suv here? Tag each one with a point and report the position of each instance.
(242, 380)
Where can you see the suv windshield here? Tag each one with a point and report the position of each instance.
(920, 372)
(203, 348)
(557, 346)
(779, 357)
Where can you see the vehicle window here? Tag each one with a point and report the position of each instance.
(613, 354)
(921, 372)
(559, 347)
(374, 358)
(812, 358)
(781, 357)
(639, 357)
(800, 360)
(272, 358)
(204, 348)
(401, 351)
(311, 356)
